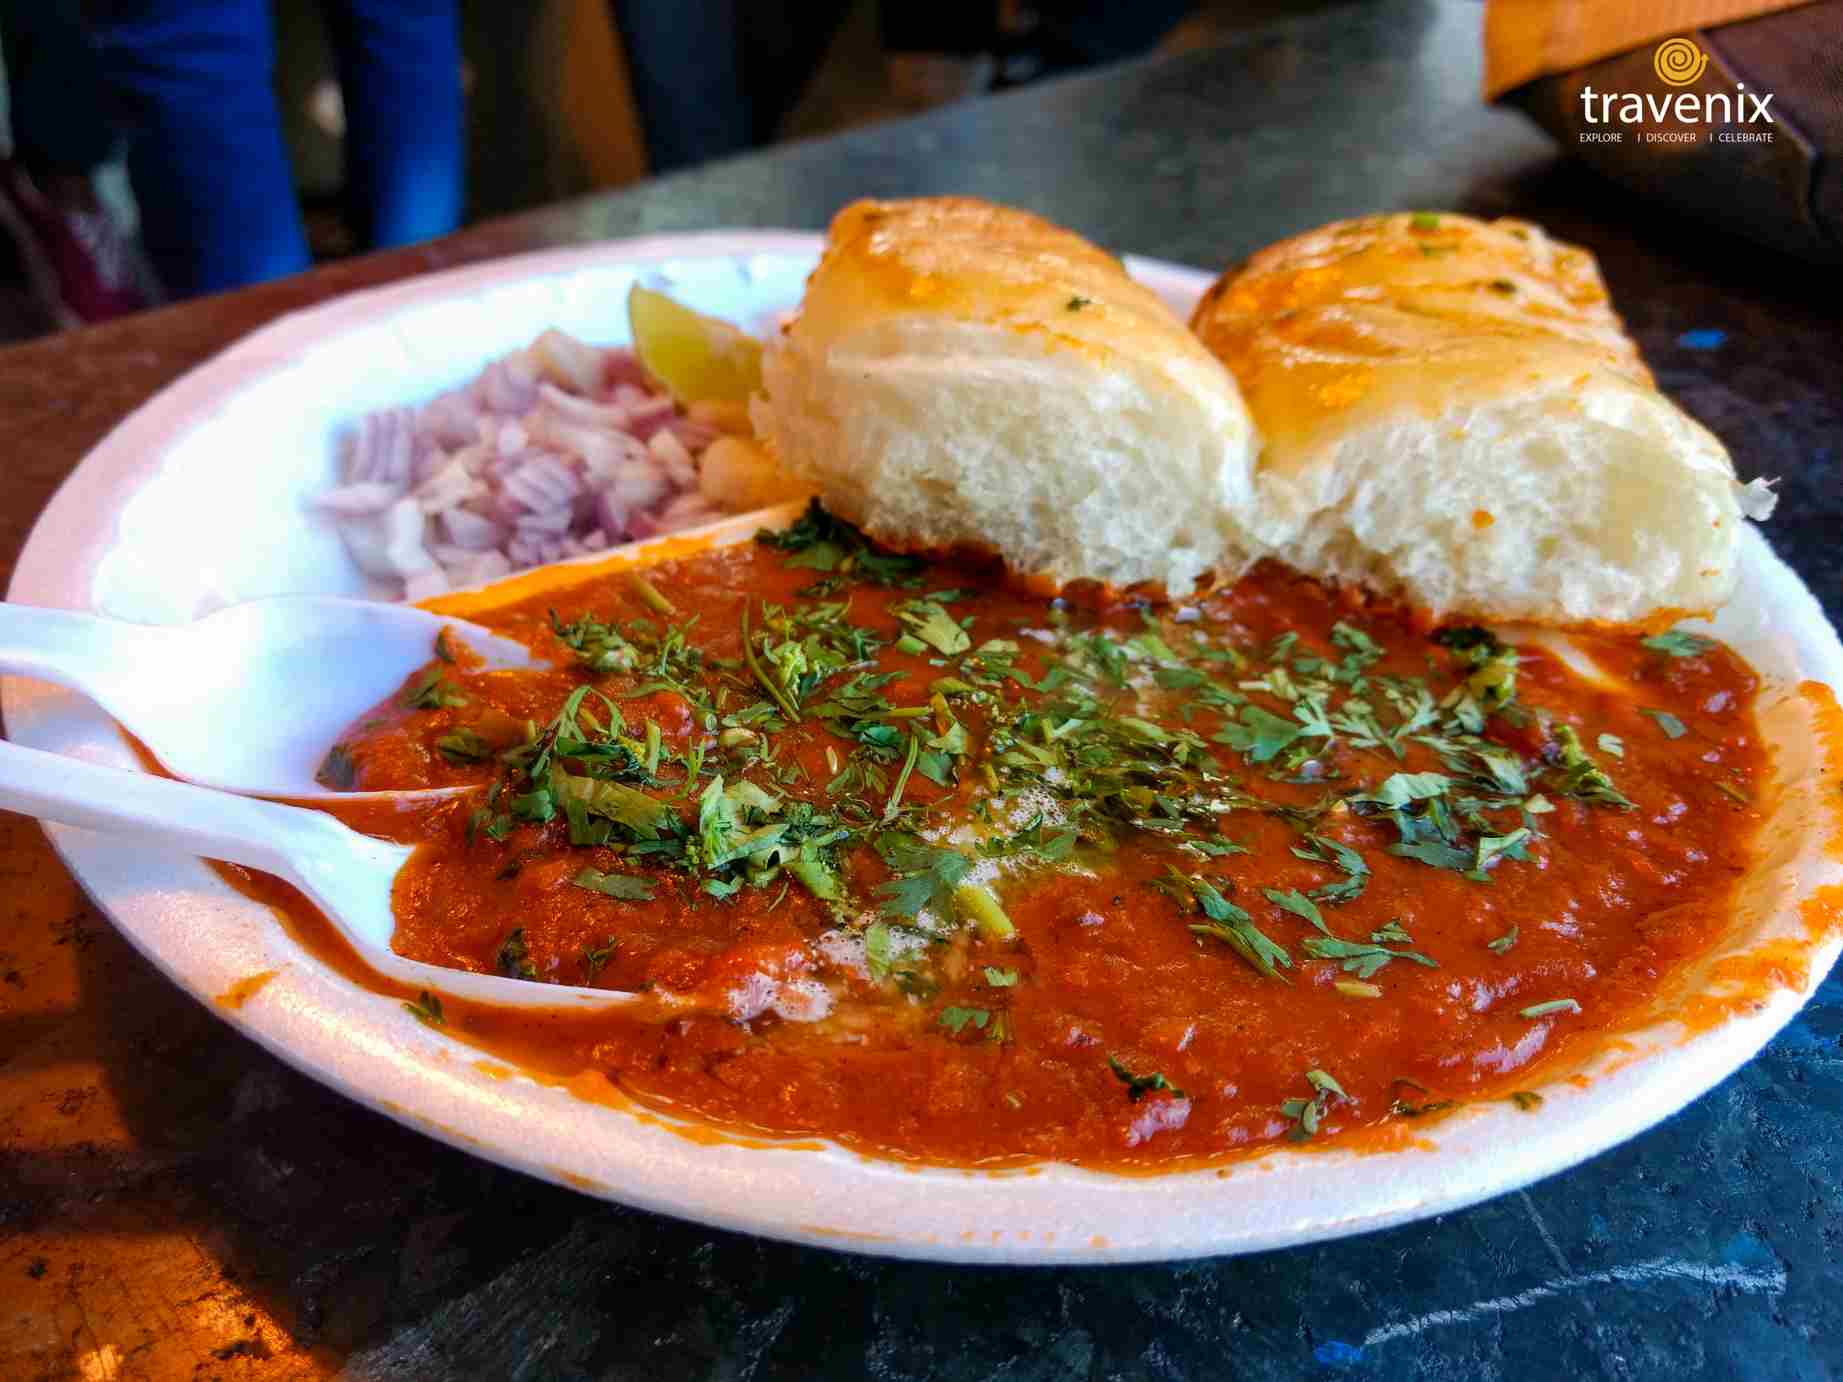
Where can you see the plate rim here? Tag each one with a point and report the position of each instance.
(733, 1184)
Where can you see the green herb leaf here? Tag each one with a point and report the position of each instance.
(594, 958)
(1261, 735)
(879, 950)
(427, 1009)
(624, 886)
(598, 646)
(1138, 1086)
(1308, 1113)
(1670, 724)
(1399, 789)
(463, 746)
(929, 621)
(1490, 848)
(1298, 904)
(1557, 1005)
(514, 957)
(1678, 643)
(1000, 978)
(1503, 944)
(1580, 776)
(1321, 850)
(433, 691)
(650, 595)
(956, 1020)
(926, 876)
(645, 817)
(1360, 958)
(1229, 924)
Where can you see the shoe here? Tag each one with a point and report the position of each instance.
(81, 266)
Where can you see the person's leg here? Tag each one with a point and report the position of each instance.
(80, 261)
(207, 160)
(59, 121)
(685, 61)
(400, 70)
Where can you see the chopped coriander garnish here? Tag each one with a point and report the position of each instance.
(1227, 923)
(929, 621)
(1556, 1005)
(1075, 304)
(463, 746)
(1261, 734)
(893, 806)
(926, 877)
(1677, 643)
(776, 692)
(619, 885)
(433, 692)
(1489, 848)
(595, 957)
(1138, 1086)
(820, 542)
(1297, 903)
(514, 957)
(650, 596)
(1000, 978)
(598, 646)
(1503, 944)
(1403, 1108)
(1580, 776)
(1673, 727)
(1308, 1113)
(1400, 789)
(1526, 1100)
(1424, 220)
(1322, 850)
(427, 1009)
(956, 1020)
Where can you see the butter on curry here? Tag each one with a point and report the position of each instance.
(906, 859)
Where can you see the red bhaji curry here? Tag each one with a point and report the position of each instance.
(941, 871)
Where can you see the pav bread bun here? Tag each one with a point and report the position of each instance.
(963, 375)
(1451, 412)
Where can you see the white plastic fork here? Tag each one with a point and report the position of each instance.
(347, 875)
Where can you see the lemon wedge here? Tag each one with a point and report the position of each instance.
(696, 357)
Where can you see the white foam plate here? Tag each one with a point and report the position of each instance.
(197, 500)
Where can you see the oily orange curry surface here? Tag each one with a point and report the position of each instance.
(941, 871)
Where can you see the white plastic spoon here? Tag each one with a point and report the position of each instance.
(347, 875)
(248, 699)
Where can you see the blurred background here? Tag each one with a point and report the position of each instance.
(312, 129)
(153, 150)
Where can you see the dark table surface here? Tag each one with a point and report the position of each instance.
(176, 1203)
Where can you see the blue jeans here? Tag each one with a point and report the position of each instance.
(194, 79)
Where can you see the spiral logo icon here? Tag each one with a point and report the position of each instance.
(1678, 61)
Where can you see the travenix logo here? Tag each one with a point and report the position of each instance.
(1678, 61)
(1687, 117)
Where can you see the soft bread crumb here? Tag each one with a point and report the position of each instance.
(1507, 455)
(962, 375)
